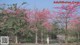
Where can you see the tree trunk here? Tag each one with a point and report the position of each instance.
(48, 39)
(16, 39)
(66, 32)
(78, 39)
(41, 37)
(36, 38)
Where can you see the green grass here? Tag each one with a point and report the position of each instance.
(45, 44)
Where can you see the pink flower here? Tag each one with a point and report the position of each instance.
(47, 25)
(9, 11)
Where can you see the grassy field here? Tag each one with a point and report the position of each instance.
(46, 44)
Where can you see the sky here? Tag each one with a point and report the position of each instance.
(39, 4)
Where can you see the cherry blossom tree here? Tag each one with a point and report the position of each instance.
(37, 18)
(64, 14)
(75, 26)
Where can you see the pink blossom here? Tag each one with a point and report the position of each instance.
(9, 11)
(47, 25)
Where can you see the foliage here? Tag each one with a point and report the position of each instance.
(25, 23)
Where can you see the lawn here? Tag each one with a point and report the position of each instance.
(45, 44)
